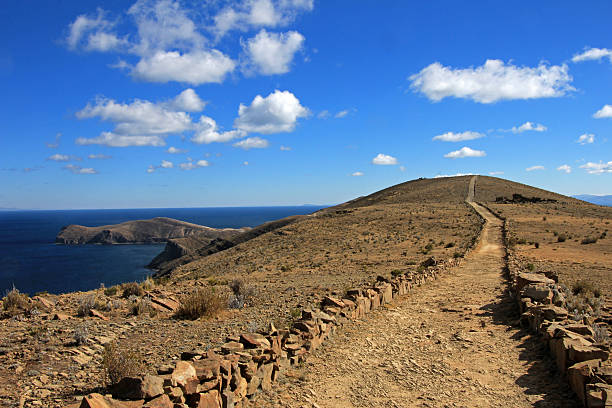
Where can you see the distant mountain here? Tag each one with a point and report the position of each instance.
(596, 199)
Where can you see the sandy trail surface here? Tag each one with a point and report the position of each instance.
(454, 342)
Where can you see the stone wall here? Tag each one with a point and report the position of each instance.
(248, 363)
(580, 358)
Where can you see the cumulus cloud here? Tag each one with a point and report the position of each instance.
(55, 145)
(174, 150)
(257, 14)
(99, 157)
(194, 68)
(529, 126)
(207, 131)
(465, 152)
(535, 168)
(357, 174)
(272, 53)
(252, 143)
(384, 160)
(567, 169)
(141, 122)
(591, 54)
(587, 138)
(597, 168)
(605, 112)
(492, 82)
(79, 170)
(165, 164)
(278, 112)
(285, 148)
(191, 165)
(94, 33)
(458, 137)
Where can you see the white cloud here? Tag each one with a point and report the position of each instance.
(593, 54)
(187, 101)
(285, 148)
(384, 160)
(535, 168)
(341, 114)
(99, 157)
(494, 81)
(465, 152)
(55, 145)
(597, 168)
(94, 33)
(496, 173)
(174, 150)
(207, 131)
(258, 13)
(587, 138)
(357, 174)
(527, 126)
(79, 170)
(402, 168)
(165, 164)
(278, 112)
(114, 140)
(453, 175)
(324, 114)
(272, 53)
(59, 157)
(196, 68)
(567, 169)
(458, 137)
(246, 163)
(190, 165)
(605, 112)
(151, 169)
(252, 143)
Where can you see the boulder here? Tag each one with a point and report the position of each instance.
(207, 369)
(100, 401)
(537, 292)
(254, 340)
(209, 399)
(183, 372)
(135, 388)
(523, 279)
(579, 353)
(163, 401)
(95, 313)
(554, 313)
(333, 302)
(579, 375)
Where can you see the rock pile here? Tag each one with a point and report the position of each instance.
(251, 362)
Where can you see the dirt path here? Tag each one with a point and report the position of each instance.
(453, 342)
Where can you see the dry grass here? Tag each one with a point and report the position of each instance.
(131, 289)
(142, 307)
(118, 363)
(205, 302)
(15, 302)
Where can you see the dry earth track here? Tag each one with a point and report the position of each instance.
(453, 342)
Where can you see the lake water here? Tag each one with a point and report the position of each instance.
(32, 262)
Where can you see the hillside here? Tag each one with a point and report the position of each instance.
(595, 199)
(291, 264)
(155, 230)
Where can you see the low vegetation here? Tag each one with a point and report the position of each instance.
(131, 289)
(15, 302)
(205, 302)
(242, 294)
(118, 363)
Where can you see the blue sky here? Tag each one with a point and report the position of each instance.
(160, 103)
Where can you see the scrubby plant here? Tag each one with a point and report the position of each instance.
(204, 302)
(449, 245)
(131, 289)
(15, 302)
(118, 363)
(561, 238)
(601, 334)
(396, 272)
(530, 267)
(148, 283)
(142, 307)
(589, 240)
(86, 303)
(80, 335)
(112, 291)
(242, 294)
(585, 287)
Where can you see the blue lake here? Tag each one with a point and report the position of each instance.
(32, 262)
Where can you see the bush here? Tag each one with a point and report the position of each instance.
(131, 289)
(87, 303)
(148, 283)
(241, 294)
(584, 287)
(15, 302)
(601, 334)
(457, 255)
(396, 272)
(449, 245)
(112, 291)
(536, 245)
(80, 335)
(561, 238)
(201, 303)
(118, 363)
(143, 307)
(589, 240)
(530, 267)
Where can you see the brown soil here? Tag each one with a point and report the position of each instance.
(451, 343)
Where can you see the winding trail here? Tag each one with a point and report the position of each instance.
(453, 342)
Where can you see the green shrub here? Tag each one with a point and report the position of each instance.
(530, 267)
(118, 363)
(396, 272)
(201, 303)
(112, 291)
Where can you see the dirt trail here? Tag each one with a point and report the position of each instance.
(453, 342)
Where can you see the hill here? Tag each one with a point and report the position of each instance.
(158, 229)
(596, 199)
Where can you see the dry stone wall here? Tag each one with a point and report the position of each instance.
(582, 358)
(251, 362)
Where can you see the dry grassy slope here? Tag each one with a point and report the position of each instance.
(542, 223)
